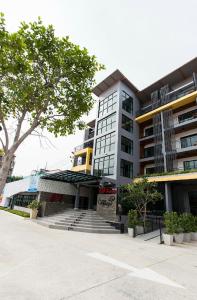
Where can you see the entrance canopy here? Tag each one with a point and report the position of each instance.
(70, 177)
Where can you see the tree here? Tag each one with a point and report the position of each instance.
(138, 195)
(45, 82)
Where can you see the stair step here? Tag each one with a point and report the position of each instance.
(82, 220)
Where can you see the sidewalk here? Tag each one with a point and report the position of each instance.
(37, 263)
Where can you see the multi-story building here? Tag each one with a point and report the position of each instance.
(150, 132)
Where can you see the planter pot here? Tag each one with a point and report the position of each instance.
(168, 239)
(178, 237)
(131, 232)
(139, 229)
(194, 236)
(187, 237)
(33, 213)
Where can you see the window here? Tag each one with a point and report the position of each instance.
(150, 170)
(148, 131)
(127, 123)
(105, 144)
(108, 104)
(126, 145)
(189, 141)
(191, 164)
(104, 166)
(188, 116)
(149, 152)
(126, 168)
(127, 102)
(106, 124)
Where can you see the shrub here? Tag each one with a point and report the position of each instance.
(34, 205)
(186, 222)
(187, 218)
(193, 223)
(132, 218)
(172, 222)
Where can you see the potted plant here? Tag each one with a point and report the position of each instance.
(34, 206)
(179, 235)
(194, 228)
(170, 221)
(186, 224)
(132, 222)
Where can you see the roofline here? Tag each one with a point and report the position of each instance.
(111, 80)
(170, 73)
(118, 76)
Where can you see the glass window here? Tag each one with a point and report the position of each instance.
(148, 131)
(126, 145)
(150, 170)
(106, 124)
(191, 164)
(149, 152)
(126, 168)
(127, 123)
(105, 144)
(127, 102)
(188, 116)
(108, 104)
(189, 141)
(104, 166)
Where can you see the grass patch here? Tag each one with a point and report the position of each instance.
(16, 212)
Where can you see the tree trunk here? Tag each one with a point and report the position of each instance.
(4, 171)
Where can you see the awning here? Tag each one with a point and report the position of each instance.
(70, 177)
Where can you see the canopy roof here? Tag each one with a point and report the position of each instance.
(70, 177)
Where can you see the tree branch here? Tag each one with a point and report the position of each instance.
(19, 125)
(2, 143)
(5, 131)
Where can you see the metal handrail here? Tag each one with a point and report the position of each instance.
(171, 96)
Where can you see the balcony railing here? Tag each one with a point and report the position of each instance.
(83, 146)
(171, 96)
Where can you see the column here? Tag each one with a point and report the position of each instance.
(168, 197)
(77, 196)
(90, 198)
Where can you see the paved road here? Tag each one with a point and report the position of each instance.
(37, 263)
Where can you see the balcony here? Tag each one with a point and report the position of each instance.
(83, 146)
(83, 160)
(174, 99)
(178, 174)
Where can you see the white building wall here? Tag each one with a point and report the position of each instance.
(15, 187)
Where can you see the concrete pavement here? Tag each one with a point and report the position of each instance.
(37, 263)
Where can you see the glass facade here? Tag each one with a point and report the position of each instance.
(127, 123)
(106, 124)
(189, 141)
(191, 164)
(104, 165)
(108, 104)
(126, 168)
(126, 145)
(188, 116)
(148, 131)
(127, 102)
(149, 152)
(105, 144)
(150, 170)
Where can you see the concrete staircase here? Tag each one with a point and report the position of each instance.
(78, 220)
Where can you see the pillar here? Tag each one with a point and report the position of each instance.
(90, 198)
(168, 197)
(77, 196)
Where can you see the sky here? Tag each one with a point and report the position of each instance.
(144, 39)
